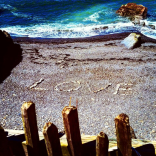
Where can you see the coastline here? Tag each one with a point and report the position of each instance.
(100, 38)
(79, 68)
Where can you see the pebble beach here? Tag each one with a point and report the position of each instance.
(102, 75)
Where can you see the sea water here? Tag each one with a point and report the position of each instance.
(70, 18)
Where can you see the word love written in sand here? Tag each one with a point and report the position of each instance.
(95, 87)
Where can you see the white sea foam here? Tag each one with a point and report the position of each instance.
(94, 17)
(61, 31)
(21, 15)
(16, 13)
(72, 30)
(148, 32)
(35, 18)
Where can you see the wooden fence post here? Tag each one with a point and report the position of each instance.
(4, 146)
(71, 125)
(102, 144)
(52, 140)
(31, 145)
(123, 135)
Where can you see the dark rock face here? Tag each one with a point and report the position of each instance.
(132, 9)
(10, 55)
(152, 27)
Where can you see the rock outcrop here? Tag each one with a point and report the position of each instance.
(10, 54)
(132, 41)
(5, 41)
(132, 9)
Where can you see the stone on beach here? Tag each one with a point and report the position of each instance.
(132, 9)
(152, 26)
(132, 41)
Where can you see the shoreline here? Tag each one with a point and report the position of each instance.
(100, 38)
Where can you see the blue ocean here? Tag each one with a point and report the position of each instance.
(70, 18)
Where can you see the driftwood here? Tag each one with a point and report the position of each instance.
(123, 135)
(31, 145)
(102, 88)
(71, 125)
(36, 83)
(52, 141)
(102, 144)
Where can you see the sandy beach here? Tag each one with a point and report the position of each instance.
(99, 72)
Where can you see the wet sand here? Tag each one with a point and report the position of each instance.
(104, 76)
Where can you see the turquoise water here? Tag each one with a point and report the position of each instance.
(69, 18)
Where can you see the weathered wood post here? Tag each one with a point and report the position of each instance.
(4, 146)
(52, 140)
(102, 144)
(31, 145)
(123, 135)
(71, 125)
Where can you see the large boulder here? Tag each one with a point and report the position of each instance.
(132, 41)
(10, 54)
(132, 9)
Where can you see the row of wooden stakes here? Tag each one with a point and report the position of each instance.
(72, 131)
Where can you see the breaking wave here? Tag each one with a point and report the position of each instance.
(69, 19)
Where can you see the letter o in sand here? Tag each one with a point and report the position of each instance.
(68, 86)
